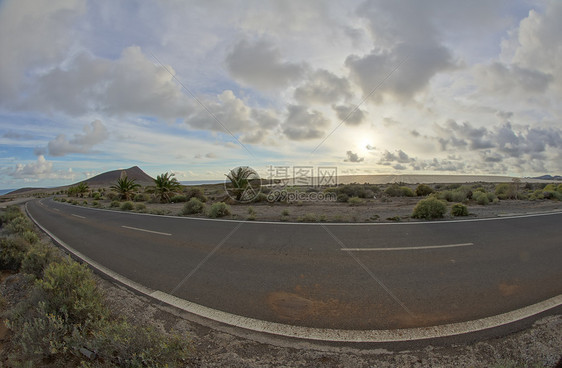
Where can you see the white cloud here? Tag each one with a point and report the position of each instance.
(323, 87)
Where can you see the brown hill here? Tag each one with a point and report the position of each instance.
(110, 177)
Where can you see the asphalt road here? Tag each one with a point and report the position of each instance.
(370, 276)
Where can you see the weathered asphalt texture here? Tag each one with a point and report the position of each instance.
(298, 273)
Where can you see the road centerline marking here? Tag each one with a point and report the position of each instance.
(82, 217)
(408, 248)
(145, 230)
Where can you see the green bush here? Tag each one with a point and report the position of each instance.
(342, 197)
(261, 197)
(12, 252)
(63, 200)
(506, 191)
(481, 198)
(127, 206)
(430, 208)
(356, 190)
(219, 209)
(138, 346)
(285, 212)
(194, 205)
(37, 259)
(141, 207)
(30, 236)
(141, 197)
(68, 288)
(17, 226)
(96, 196)
(459, 209)
(354, 201)
(114, 204)
(423, 190)
(194, 192)
(178, 198)
(399, 191)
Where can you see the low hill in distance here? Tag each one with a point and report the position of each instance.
(109, 178)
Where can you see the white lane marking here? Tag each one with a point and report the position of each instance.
(82, 217)
(408, 248)
(146, 231)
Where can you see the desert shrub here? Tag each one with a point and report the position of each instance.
(307, 217)
(141, 197)
(354, 201)
(17, 226)
(342, 197)
(37, 259)
(481, 198)
(95, 204)
(140, 207)
(261, 197)
(285, 212)
(178, 198)
(132, 345)
(96, 196)
(559, 188)
(549, 188)
(127, 206)
(430, 208)
(357, 190)
(423, 190)
(63, 200)
(30, 236)
(219, 209)
(12, 252)
(407, 192)
(459, 209)
(394, 218)
(112, 196)
(114, 204)
(552, 195)
(506, 191)
(68, 288)
(195, 193)
(10, 213)
(194, 205)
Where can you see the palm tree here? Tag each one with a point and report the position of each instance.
(125, 187)
(82, 188)
(166, 185)
(243, 179)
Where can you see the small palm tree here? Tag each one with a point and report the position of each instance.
(82, 188)
(241, 180)
(165, 186)
(125, 187)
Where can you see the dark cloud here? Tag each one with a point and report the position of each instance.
(301, 124)
(502, 78)
(259, 64)
(323, 87)
(350, 115)
(353, 157)
(94, 133)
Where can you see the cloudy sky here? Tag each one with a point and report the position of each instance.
(199, 87)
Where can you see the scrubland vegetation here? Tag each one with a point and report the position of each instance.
(62, 319)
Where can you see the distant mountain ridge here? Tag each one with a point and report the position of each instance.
(549, 177)
(110, 177)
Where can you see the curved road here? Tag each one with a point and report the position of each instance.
(337, 276)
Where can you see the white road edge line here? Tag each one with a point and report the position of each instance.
(82, 217)
(320, 334)
(407, 248)
(146, 231)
